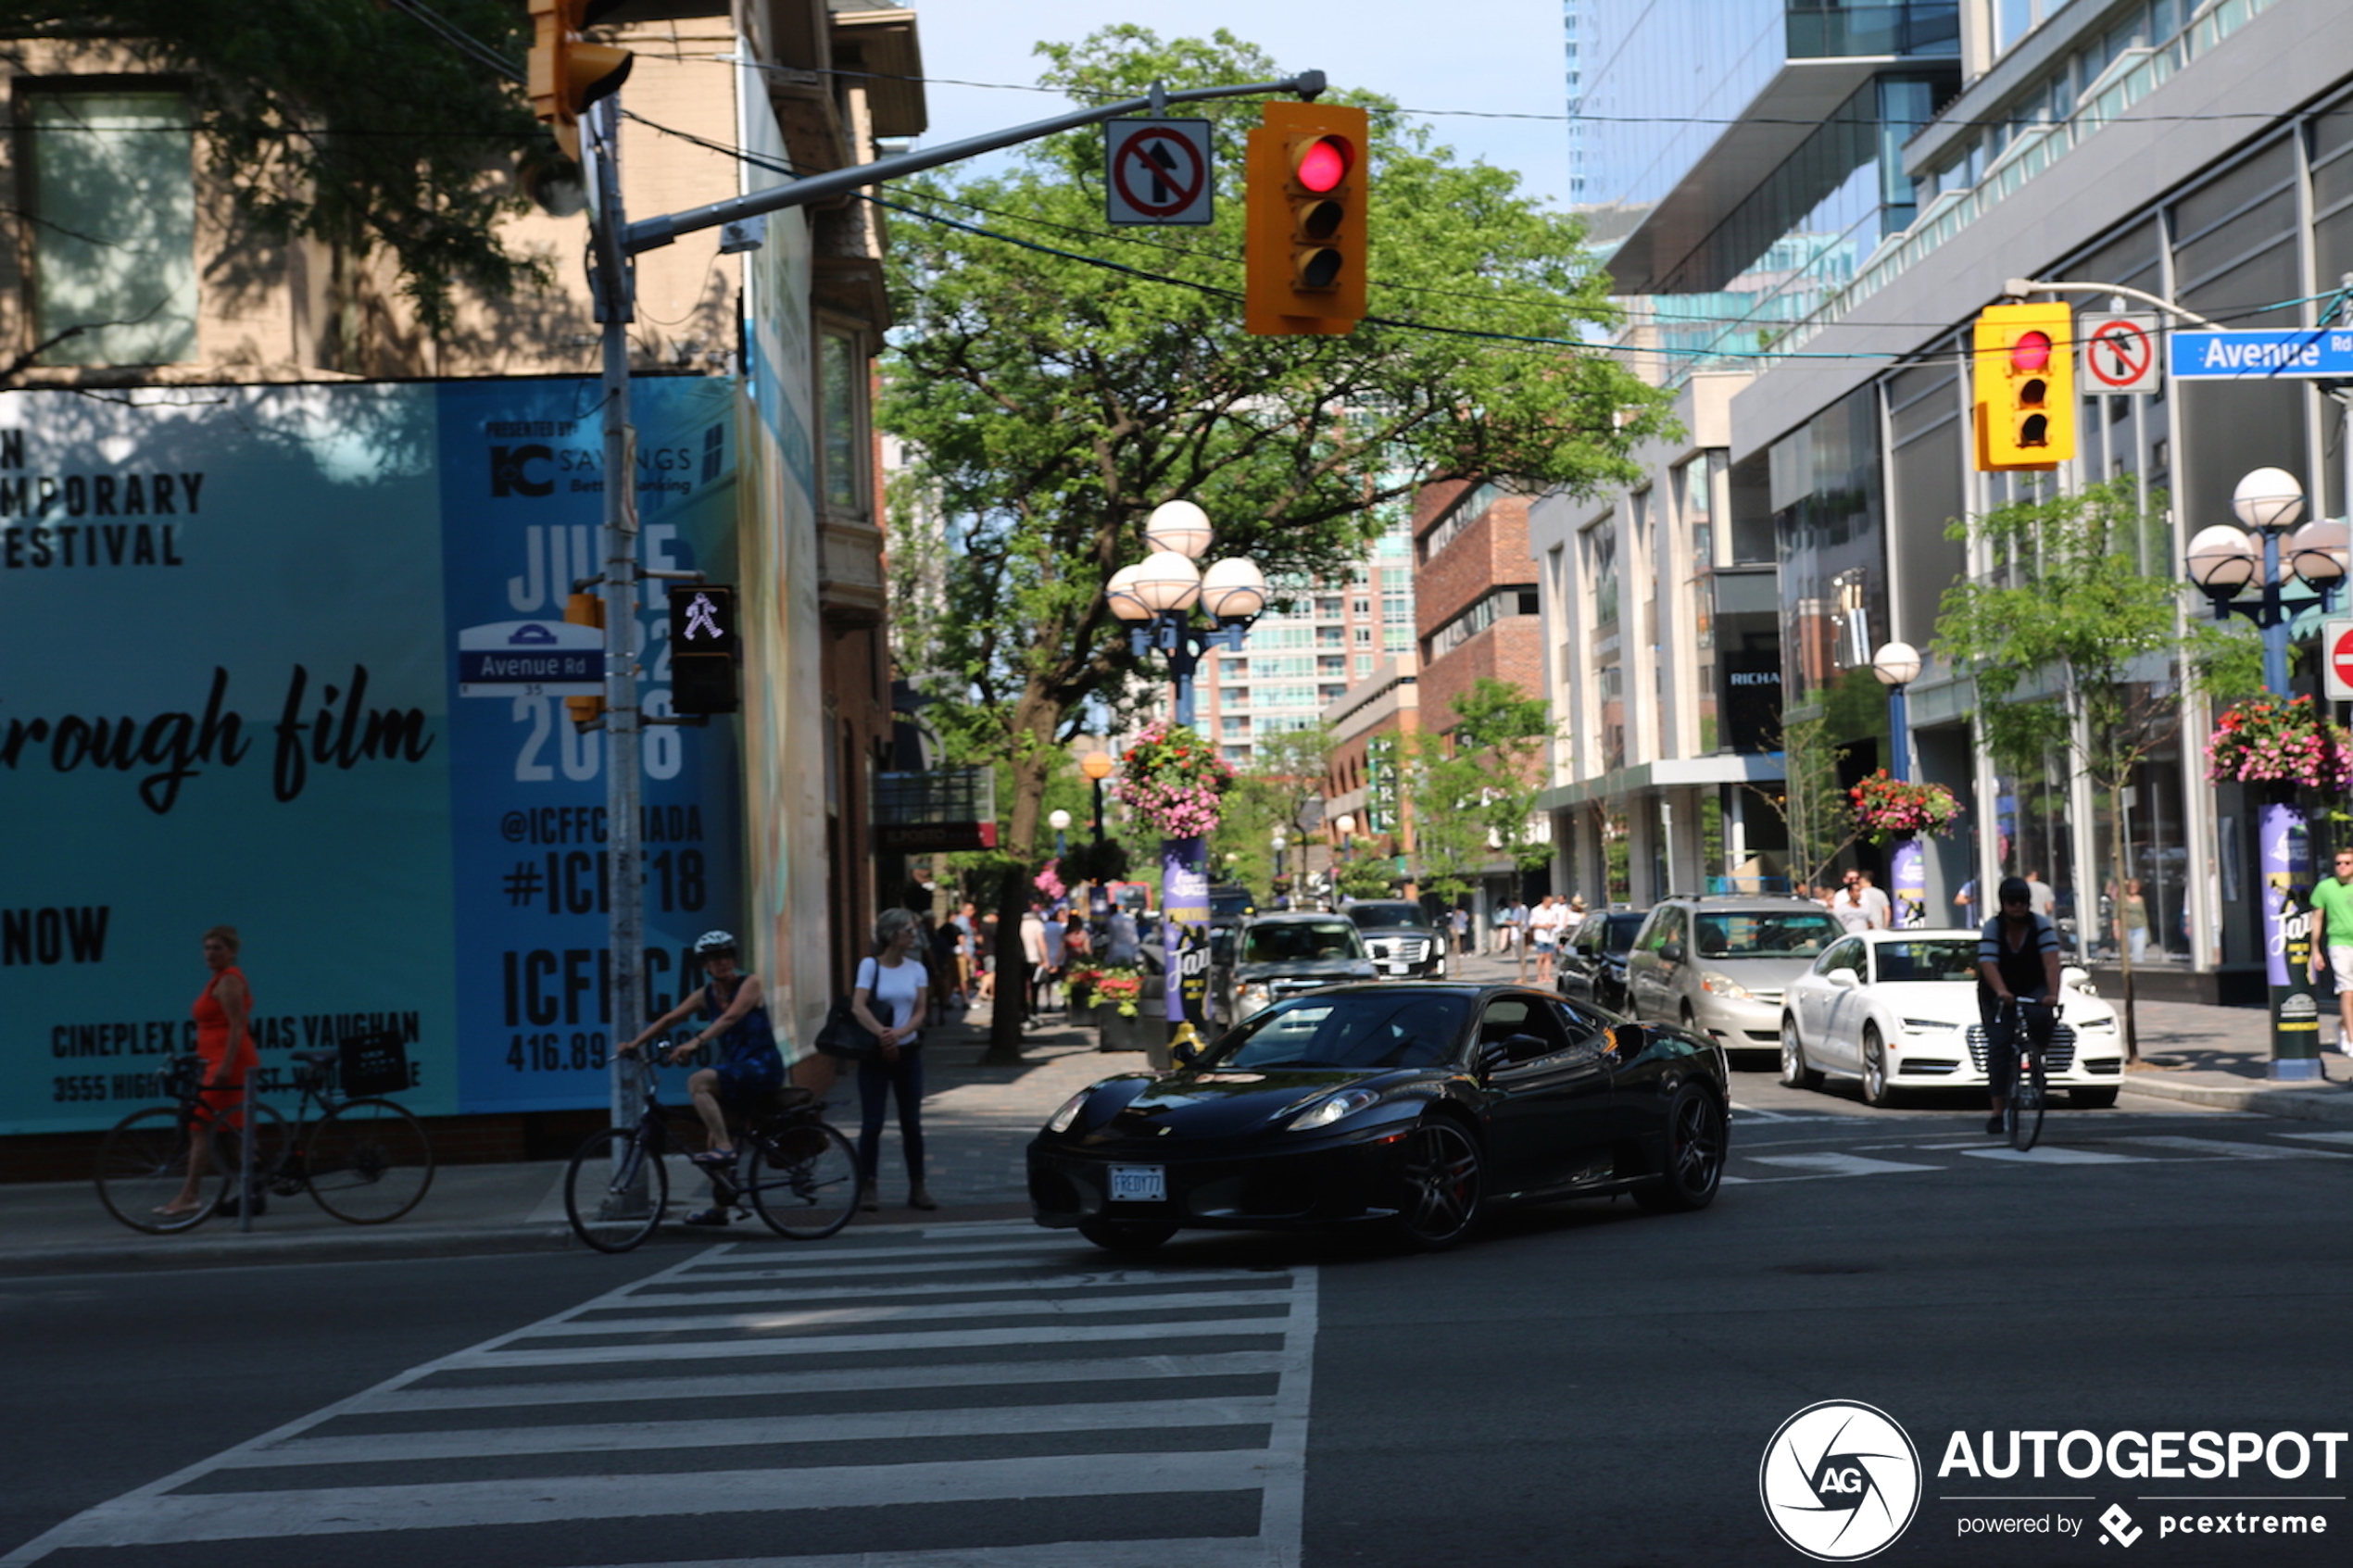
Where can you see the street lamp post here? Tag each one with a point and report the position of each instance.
(1280, 844)
(1898, 665)
(1096, 766)
(1156, 597)
(2224, 560)
(1059, 820)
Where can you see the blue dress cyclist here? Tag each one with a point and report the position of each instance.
(747, 1070)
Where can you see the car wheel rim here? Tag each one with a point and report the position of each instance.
(1699, 1152)
(1874, 1068)
(1442, 1183)
(1789, 1054)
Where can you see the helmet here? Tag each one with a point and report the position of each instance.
(715, 942)
(2015, 891)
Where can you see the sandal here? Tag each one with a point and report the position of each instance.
(707, 1217)
(713, 1158)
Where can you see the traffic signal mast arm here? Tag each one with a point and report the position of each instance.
(651, 233)
(2019, 288)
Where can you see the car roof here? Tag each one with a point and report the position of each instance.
(1290, 917)
(1736, 903)
(1379, 903)
(1911, 933)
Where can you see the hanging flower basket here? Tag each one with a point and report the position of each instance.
(1049, 882)
(1171, 778)
(1886, 807)
(2287, 742)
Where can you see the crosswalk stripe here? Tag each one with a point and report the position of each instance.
(1212, 1551)
(2322, 1138)
(2225, 1148)
(869, 1292)
(1841, 1164)
(2054, 1154)
(839, 1427)
(842, 1344)
(1197, 1300)
(846, 1380)
(329, 1511)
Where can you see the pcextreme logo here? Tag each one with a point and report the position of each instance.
(1840, 1481)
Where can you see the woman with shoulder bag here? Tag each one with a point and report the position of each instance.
(889, 1000)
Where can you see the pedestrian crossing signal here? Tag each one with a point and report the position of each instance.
(704, 649)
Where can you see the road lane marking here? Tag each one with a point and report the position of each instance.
(2056, 1154)
(2225, 1148)
(1842, 1164)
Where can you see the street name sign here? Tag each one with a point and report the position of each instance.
(531, 659)
(2119, 354)
(2317, 352)
(2336, 658)
(1157, 171)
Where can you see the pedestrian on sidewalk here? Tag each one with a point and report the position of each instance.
(224, 1040)
(1544, 934)
(889, 1000)
(2332, 940)
(1122, 939)
(1033, 953)
(1057, 933)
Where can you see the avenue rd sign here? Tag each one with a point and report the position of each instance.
(2315, 352)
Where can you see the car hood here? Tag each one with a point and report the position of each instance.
(1954, 1001)
(1770, 973)
(1306, 969)
(1227, 1104)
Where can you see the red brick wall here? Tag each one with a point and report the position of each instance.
(1512, 649)
(1488, 554)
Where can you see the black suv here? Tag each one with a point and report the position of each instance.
(1400, 937)
(1591, 967)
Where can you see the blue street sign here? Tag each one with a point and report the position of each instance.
(2261, 355)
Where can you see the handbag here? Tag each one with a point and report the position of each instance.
(843, 1035)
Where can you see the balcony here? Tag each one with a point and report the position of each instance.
(1824, 30)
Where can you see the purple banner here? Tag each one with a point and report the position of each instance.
(1909, 872)
(1184, 928)
(2287, 943)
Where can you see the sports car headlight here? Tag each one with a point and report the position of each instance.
(1252, 999)
(1061, 1120)
(1725, 985)
(1324, 1113)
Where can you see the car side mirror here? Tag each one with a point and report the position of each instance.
(1671, 951)
(2075, 978)
(1844, 979)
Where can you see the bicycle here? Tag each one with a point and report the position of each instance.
(2030, 1090)
(793, 1169)
(367, 1161)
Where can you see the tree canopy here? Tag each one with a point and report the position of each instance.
(1473, 789)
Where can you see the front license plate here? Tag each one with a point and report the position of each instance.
(1140, 1184)
(1397, 967)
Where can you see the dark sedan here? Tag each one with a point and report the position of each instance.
(1413, 1104)
(1592, 966)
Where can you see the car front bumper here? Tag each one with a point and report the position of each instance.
(1327, 1181)
(2087, 1058)
(1738, 1024)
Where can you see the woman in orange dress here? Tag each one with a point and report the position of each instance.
(223, 1013)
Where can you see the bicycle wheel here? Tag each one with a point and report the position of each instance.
(368, 1162)
(805, 1181)
(614, 1194)
(2027, 1100)
(143, 1165)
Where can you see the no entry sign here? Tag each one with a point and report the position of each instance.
(2119, 352)
(1156, 171)
(2336, 658)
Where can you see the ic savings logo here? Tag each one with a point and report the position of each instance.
(1840, 1481)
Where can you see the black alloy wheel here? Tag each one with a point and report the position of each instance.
(1444, 1184)
(1693, 1166)
(1124, 1235)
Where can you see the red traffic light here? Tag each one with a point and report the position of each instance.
(1324, 163)
(2030, 351)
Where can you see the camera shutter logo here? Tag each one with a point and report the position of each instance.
(1840, 1481)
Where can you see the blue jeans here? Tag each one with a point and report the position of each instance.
(878, 1079)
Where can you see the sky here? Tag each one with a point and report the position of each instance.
(1497, 57)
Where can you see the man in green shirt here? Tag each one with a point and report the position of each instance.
(2332, 940)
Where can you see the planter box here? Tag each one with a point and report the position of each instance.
(1140, 1032)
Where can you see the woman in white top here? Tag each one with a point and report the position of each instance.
(890, 999)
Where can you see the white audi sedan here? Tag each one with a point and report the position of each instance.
(1898, 1011)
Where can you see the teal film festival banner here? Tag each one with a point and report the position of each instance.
(231, 697)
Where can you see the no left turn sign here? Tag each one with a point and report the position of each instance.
(1157, 171)
(2119, 352)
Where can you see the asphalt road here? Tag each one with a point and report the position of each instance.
(1585, 1384)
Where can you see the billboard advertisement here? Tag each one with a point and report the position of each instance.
(233, 697)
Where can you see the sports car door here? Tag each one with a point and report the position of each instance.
(1548, 1123)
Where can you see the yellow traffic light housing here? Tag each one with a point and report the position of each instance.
(585, 609)
(1306, 184)
(2025, 395)
(567, 75)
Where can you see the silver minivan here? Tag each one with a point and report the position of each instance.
(1718, 965)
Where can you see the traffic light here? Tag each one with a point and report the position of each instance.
(567, 75)
(1306, 184)
(2025, 357)
(703, 649)
(585, 609)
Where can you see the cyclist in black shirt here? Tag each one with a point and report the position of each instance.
(2018, 958)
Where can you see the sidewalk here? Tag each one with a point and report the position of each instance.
(977, 1122)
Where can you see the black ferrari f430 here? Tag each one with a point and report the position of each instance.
(1415, 1104)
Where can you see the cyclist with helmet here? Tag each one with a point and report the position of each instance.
(750, 1069)
(2017, 958)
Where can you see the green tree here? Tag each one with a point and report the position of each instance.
(2078, 650)
(1473, 788)
(1049, 404)
(349, 122)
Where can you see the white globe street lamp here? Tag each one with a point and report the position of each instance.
(2269, 498)
(2223, 558)
(1124, 602)
(1167, 581)
(1233, 589)
(1177, 528)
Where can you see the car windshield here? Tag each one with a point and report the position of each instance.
(1760, 933)
(1619, 934)
(1947, 959)
(1365, 1030)
(1377, 917)
(1297, 941)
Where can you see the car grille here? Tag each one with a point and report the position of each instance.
(1927, 1066)
(2058, 1059)
(2104, 1066)
(1399, 949)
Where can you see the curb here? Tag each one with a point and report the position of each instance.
(2298, 1105)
